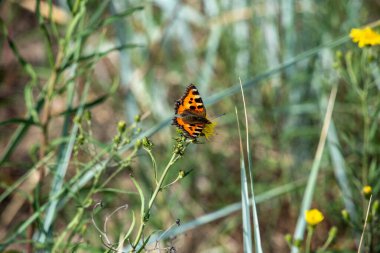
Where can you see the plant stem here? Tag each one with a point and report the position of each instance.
(145, 218)
(365, 224)
(310, 231)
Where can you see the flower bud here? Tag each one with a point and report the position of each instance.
(121, 126)
(181, 174)
(367, 191)
(288, 239)
(297, 243)
(333, 232)
(80, 139)
(375, 207)
(345, 215)
(147, 143)
(138, 144)
(87, 115)
(348, 56)
(338, 54)
(77, 119)
(117, 139)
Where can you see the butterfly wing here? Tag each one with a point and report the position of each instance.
(190, 103)
(190, 130)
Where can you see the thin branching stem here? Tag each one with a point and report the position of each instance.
(365, 225)
(158, 188)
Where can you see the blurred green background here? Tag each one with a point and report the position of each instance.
(117, 60)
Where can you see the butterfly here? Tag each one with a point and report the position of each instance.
(190, 114)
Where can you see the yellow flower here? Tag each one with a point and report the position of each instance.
(367, 191)
(208, 130)
(313, 217)
(365, 36)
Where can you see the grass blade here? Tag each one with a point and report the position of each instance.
(65, 149)
(63, 163)
(246, 216)
(340, 169)
(258, 248)
(247, 234)
(19, 134)
(309, 191)
(24, 177)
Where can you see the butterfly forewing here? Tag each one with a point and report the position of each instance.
(192, 102)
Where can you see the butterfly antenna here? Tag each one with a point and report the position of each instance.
(219, 115)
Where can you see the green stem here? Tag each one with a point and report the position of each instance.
(153, 163)
(366, 121)
(365, 225)
(145, 218)
(330, 238)
(310, 231)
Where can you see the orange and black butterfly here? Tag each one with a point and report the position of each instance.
(190, 114)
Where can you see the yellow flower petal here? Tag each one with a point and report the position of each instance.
(367, 191)
(313, 217)
(354, 34)
(365, 37)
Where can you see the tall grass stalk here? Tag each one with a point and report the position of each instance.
(365, 225)
(246, 214)
(313, 176)
(63, 163)
(256, 228)
(65, 152)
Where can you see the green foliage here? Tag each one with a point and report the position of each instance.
(88, 163)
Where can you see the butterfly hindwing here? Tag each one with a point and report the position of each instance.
(190, 130)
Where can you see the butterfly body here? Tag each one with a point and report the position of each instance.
(190, 113)
(192, 117)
